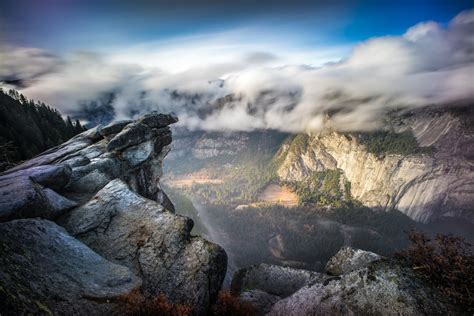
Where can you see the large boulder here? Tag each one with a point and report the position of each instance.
(29, 193)
(114, 127)
(364, 284)
(158, 120)
(45, 271)
(275, 280)
(133, 134)
(156, 244)
(129, 150)
(381, 288)
(349, 259)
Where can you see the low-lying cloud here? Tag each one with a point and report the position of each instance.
(227, 86)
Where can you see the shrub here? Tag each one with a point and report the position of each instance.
(445, 262)
(28, 128)
(136, 304)
(229, 305)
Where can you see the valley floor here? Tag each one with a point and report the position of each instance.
(272, 194)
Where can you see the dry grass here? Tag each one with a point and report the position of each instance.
(279, 195)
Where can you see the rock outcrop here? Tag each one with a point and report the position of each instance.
(44, 270)
(138, 233)
(423, 186)
(365, 284)
(103, 187)
(348, 259)
(275, 280)
(30, 193)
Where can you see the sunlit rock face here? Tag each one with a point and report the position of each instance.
(103, 187)
(424, 186)
(359, 283)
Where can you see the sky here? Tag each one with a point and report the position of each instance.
(64, 25)
(71, 52)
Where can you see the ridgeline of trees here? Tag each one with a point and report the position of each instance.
(382, 143)
(243, 183)
(323, 188)
(28, 128)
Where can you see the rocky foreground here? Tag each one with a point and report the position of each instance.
(356, 282)
(87, 223)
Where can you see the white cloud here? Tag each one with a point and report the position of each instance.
(25, 63)
(271, 84)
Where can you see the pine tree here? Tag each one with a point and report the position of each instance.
(28, 128)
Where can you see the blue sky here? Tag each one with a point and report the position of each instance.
(67, 25)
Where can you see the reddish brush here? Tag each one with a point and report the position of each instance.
(229, 305)
(135, 304)
(445, 262)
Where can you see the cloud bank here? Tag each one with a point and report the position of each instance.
(223, 84)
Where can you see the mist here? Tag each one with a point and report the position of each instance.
(232, 85)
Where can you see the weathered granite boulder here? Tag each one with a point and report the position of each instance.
(261, 301)
(138, 233)
(114, 127)
(367, 284)
(133, 134)
(103, 186)
(275, 280)
(381, 288)
(158, 120)
(44, 271)
(29, 193)
(348, 259)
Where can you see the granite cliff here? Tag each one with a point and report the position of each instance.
(426, 185)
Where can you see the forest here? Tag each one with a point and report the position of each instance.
(305, 236)
(381, 143)
(29, 127)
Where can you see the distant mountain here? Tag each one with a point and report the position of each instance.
(419, 164)
(95, 112)
(201, 107)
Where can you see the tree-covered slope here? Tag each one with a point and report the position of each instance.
(28, 128)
